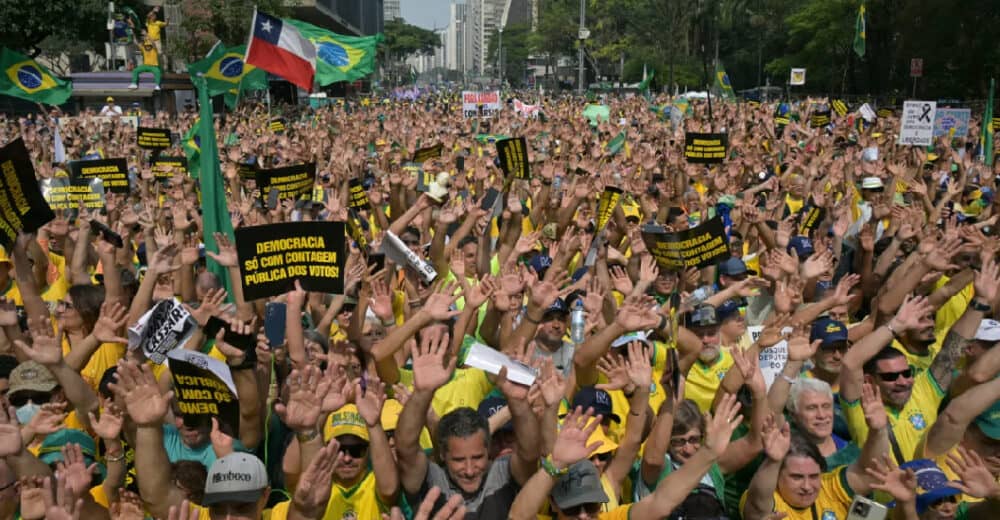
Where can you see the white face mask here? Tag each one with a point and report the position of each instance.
(26, 412)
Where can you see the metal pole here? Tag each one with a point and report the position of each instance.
(500, 56)
(111, 36)
(583, 21)
(914, 96)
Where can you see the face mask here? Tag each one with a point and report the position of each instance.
(27, 412)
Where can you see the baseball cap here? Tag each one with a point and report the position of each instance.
(733, 266)
(50, 451)
(627, 338)
(989, 421)
(872, 183)
(237, 477)
(726, 310)
(582, 485)
(802, 245)
(989, 330)
(607, 445)
(490, 406)
(701, 316)
(110, 99)
(932, 483)
(558, 307)
(390, 414)
(541, 263)
(33, 377)
(829, 331)
(345, 421)
(599, 400)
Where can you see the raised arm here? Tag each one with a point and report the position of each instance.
(760, 494)
(369, 401)
(526, 446)
(985, 284)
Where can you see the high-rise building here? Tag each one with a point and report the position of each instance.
(456, 38)
(391, 10)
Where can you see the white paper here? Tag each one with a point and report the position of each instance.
(206, 362)
(772, 360)
(396, 250)
(485, 358)
(175, 326)
(917, 123)
(867, 113)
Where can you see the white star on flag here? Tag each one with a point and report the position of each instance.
(266, 26)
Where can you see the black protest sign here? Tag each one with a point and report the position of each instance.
(247, 170)
(357, 196)
(356, 229)
(153, 138)
(63, 193)
(273, 256)
(164, 167)
(705, 148)
(699, 247)
(204, 389)
(606, 205)
(819, 119)
(114, 173)
(165, 327)
(425, 154)
(424, 178)
(292, 181)
(22, 207)
(513, 154)
(812, 219)
(277, 125)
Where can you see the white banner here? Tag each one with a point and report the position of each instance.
(488, 100)
(917, 123)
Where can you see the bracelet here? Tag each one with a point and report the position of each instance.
(389, 323)
(550, 467)
(306, 437)
(979, 306)
(528, 317)
(888, 325)
(111, 458)
(788, 380)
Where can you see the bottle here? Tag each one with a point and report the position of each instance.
(577, 322)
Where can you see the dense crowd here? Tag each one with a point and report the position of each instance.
(823, 368)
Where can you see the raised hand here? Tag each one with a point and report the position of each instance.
(381, 300)
(63, 503)
(889, 478)
(477, 295)
(976, 478)
(439, 304)
(73, 470)
(749, 367)
(301, 413)
(638, 367)
(370, 400)
(430, 371)
(137, 387)
(46, 346)
(638, 313)
(777, 441)
(987, 280)
(128, 506)
(874, 410)
(222, 443)
(113, 318)
(571, 443)
(613, 367)
(109, 425)
(799, 347)
(226, 256)
(335, 387)
(719, 428)
(315, 485)
(913, 314)
(10, 433)
(620, 280)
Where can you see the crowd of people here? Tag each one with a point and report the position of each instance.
(835, 365)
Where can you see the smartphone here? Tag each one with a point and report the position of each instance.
(243, 342)
(272, 198)
(274, 323)
(105, 232)
(490, 199)
(865, 509)
(213, 326)
(460, 163)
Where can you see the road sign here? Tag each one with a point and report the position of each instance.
(917, 123)
(916, 67)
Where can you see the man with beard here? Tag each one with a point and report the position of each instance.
(549, 337)
(913, 398)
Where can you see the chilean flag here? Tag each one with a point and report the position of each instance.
(280, 49)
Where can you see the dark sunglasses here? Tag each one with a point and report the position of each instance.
(889, 377)
(356, 451)
(591, 509)
(21, 398)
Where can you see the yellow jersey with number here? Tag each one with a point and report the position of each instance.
(908, 424)
(833, 502)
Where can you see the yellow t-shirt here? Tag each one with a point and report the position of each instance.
(946, 316)
(909, 424)
(58, 283)
(467, 388)
(13, 293)
(833, 502)
(105, 357)
(149, 55)
(359, 501)
(153, 29)
(703, 380)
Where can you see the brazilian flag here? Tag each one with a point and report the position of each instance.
(722, 82)
(192, 148)
(860, 32)
(226, 73)
(23, 77)
(339, 57)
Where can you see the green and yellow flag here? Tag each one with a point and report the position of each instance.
(24, 78)
(860, 32)
(986, 134)
(192, 148)
(722, 82)
(339, 57)
(644, 86)
(226, 73)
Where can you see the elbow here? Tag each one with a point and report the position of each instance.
(979, 376)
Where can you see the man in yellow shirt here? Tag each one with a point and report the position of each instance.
(154, 28)
(150, 63)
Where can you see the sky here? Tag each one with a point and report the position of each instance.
(426, 13)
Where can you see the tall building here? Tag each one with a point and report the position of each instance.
(391, 10)
(485, 15)
(456, 38)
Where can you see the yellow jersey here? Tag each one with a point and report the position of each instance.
(153, 29)
(833, 502)
(149, 55)
(909, 424)
(703, 380)
(467, 388)
(945, 317)
(58, 283)
(105, 357)
(356, 502)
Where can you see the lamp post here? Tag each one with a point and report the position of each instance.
(583, 35)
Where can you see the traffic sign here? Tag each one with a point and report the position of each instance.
(916, 67)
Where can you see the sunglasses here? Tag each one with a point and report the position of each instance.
(21, 398)
(590, 509)
(694, 440)
(356, 451)
(888, 377)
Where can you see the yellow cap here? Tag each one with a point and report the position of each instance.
(110, 99)
(631, 211)
(3, 255)
(345, 421)
(608, 444)
(390, 414)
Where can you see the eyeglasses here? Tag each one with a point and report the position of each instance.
(21, 398)
(694, 440)
(356, 451)
(590, 509)
(889, 377)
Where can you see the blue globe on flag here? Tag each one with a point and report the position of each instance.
(29, 77)
(334, 54)
(231, 67)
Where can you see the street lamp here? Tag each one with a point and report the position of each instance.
(583, 34)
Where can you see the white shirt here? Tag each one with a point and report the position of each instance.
(111, 110)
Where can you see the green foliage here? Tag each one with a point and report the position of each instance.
(55, 25)
(403, 39)
(207, 21)
(516, 48)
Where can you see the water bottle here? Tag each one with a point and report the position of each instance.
(577, 322)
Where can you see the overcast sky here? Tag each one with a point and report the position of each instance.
(426, 13)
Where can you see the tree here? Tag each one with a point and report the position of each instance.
(55, 25)
(516, 48)
(205, 22)
(403, 39)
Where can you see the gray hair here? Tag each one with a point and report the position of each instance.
(806, 384)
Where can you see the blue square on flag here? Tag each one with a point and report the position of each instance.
(268, 28)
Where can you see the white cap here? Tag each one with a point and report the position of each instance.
(625, 339)
(871, 183)
(989, 330)
(870, 154)
(237, 477)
